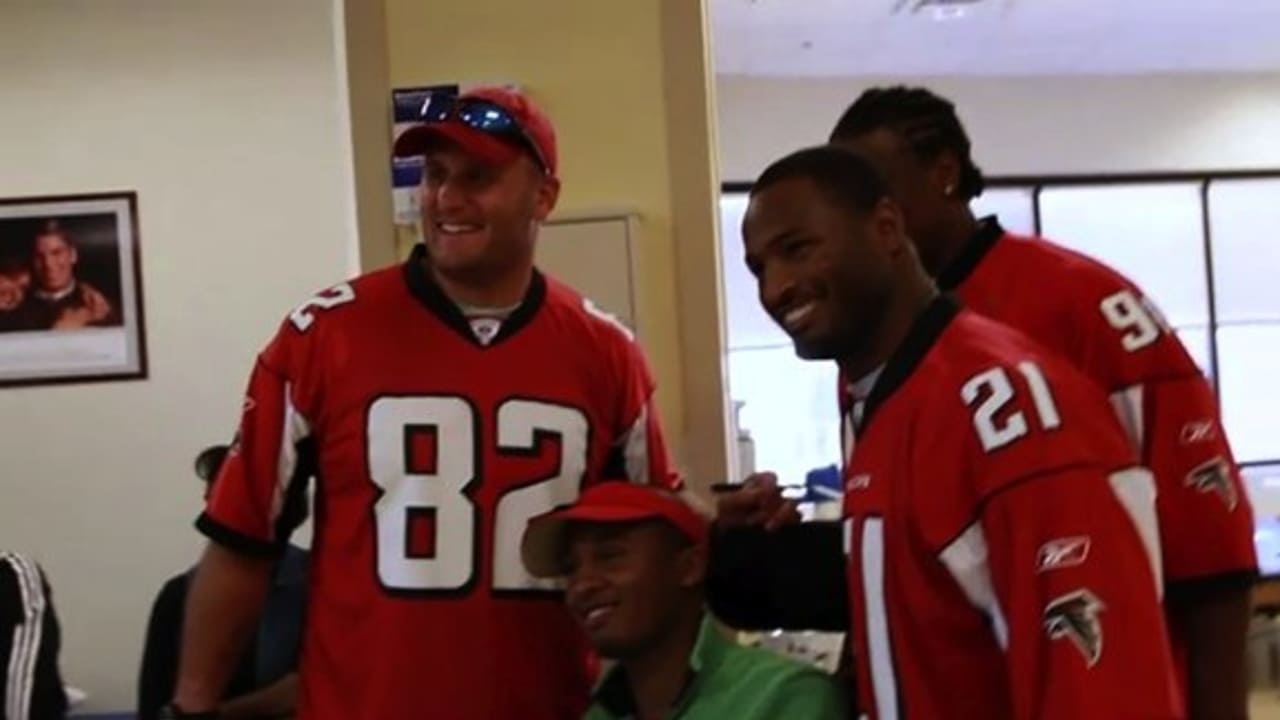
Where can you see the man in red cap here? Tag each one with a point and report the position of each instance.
(635, 559)
(440, 404)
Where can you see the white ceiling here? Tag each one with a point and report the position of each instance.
(993, 37)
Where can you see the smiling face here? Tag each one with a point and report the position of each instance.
(822, 271)
(629, 584)
(479, 219)
(54, 262)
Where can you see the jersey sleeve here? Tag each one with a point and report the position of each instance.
(1171, 416)
(1204, 509)
(267, 469)
(1072, 562)
(1050, 531)
(640, 451)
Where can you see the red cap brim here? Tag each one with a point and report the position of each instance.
(542, 547)
(422, 139)
(543, 544)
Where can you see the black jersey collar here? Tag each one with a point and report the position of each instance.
(424, 287)
(983, 239)
(920, 338)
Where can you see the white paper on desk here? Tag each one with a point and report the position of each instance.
(75, 696)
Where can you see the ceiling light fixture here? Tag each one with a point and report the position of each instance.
(942, 9)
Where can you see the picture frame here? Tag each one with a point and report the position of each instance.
(71, 303)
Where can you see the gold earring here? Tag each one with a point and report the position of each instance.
(951, 190)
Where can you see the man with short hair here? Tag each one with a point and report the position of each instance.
(999, 547)
(1104, 325)
(57, 299)
(443, 403)
(635, 561)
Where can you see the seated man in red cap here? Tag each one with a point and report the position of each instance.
(635, 559)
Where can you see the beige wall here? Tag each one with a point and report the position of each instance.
(363, 47)
(600, 69)
(1032, 125)
(694, 185)
(227, 117)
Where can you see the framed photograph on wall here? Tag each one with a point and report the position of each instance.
(71, 289)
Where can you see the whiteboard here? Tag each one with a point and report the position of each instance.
(593, 254)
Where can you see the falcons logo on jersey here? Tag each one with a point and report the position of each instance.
(1074, 616)
(1214, 477)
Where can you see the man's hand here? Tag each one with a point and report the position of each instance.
(757, 502)
(73, 318)
(95, 302)
(96, 308)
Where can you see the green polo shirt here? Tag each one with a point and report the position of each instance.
(729, 681)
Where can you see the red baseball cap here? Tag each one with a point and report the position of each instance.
(542, 548)
(490, 147)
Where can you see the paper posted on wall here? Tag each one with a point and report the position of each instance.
(408, 105)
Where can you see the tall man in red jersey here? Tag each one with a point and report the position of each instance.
(442, 404)
(1100, 322)
(1002, 554)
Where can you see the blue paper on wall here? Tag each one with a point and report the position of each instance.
(407, 105)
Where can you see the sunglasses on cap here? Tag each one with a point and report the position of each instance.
(484, 116)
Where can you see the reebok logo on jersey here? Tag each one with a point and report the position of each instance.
(1062, 553)
(248, 404)
(861, 481)
(1214, 477)
(485, 329)
(1197, 431)
(1074, 616)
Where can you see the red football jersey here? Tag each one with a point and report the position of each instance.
(1001, 538)
(1104, 326)
(435, 439)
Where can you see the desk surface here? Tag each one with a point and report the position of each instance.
(1267, 592)
(1264, 705)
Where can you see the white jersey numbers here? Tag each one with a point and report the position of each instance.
(302, 318)
(433, 489)
(434, 492)
(520, 424)
(1134, 317)
(999, 417)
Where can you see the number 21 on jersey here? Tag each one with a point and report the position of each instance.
(442, 489)
(992, 392)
